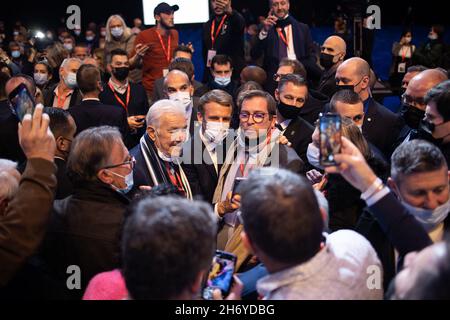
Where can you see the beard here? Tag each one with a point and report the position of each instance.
(166, 26)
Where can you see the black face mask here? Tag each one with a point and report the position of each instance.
(121, 73)
(287, 111)
(412, 116)
(345, 87)
(326, 60)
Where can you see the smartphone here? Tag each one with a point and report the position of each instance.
(237, 182)
(330, 138)
(22, 101)
(220, 275)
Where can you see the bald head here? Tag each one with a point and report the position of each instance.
(355, 72)
(419, 86)
(91, 61)
(177, 81)
(336, 43)
(253, 73)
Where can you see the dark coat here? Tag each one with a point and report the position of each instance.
(85, 231)
(92, 113)
(299, 133)
(9, 144)
(314, 105)
(49, 96)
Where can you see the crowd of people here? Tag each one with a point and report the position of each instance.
(134, 171)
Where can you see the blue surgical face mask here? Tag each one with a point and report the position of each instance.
(129, 181)
(117, 32)
(429, 219)
(15, 54)
(71, 80)
(223, 81)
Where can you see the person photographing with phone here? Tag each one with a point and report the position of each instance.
(223, 34)
(283, 36)
(121, 92)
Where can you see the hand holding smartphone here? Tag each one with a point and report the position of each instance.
(220, 275)
(330, 129)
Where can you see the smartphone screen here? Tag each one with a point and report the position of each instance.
(330, 138)
(220, 275)
(237, 182)
(22, 102)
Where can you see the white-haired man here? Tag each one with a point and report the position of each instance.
(65, 94)
(159, 151)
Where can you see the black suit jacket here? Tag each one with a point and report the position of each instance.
(199, 167)
(64, 187)
(92, 113)
(314, 105)
(299, 133)
(304, 50)
(49, 96)
(9, 143)
(327, 85)
(137, 106)
(382, 127)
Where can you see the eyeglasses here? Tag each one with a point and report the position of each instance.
(131, 162)
(258, 118)
(407, 99)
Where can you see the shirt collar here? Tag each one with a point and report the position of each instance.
(56, 92)
(121, 88)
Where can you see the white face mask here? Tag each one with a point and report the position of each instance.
(216, 131)
(117, 32)
(68, 46)
(40, 78)
(176, 151)
(429, 219)
(182, 97)
(432, 36)
(223, 81)
(71, 80)
(129, 181)
(313, 155)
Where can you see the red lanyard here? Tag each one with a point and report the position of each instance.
(242, 165)
(125, 105)
(175, 178)
(404, 54)
(61, 101)
(282, 37)
(213, 27)
(166, 53)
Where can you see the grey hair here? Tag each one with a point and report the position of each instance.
(163, 107)
(68, 60)
(126, 30)
(416, 156)
(91, 152)
(8, 183)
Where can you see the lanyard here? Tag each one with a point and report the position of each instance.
(213, 27)
(243, 165)
(404, 53)
(283, 38)
(166, 52)
(125, 105)
(175, 178)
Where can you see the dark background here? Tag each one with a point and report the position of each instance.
(318, 12)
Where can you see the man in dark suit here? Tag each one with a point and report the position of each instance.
(315, 101)
(283, 36)
(64, 94)
(333, 52)
(291, 96)
(91, 112)
(224, 34)
(125, 94)
(204, 154)
(381, 127)
(63, 128)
